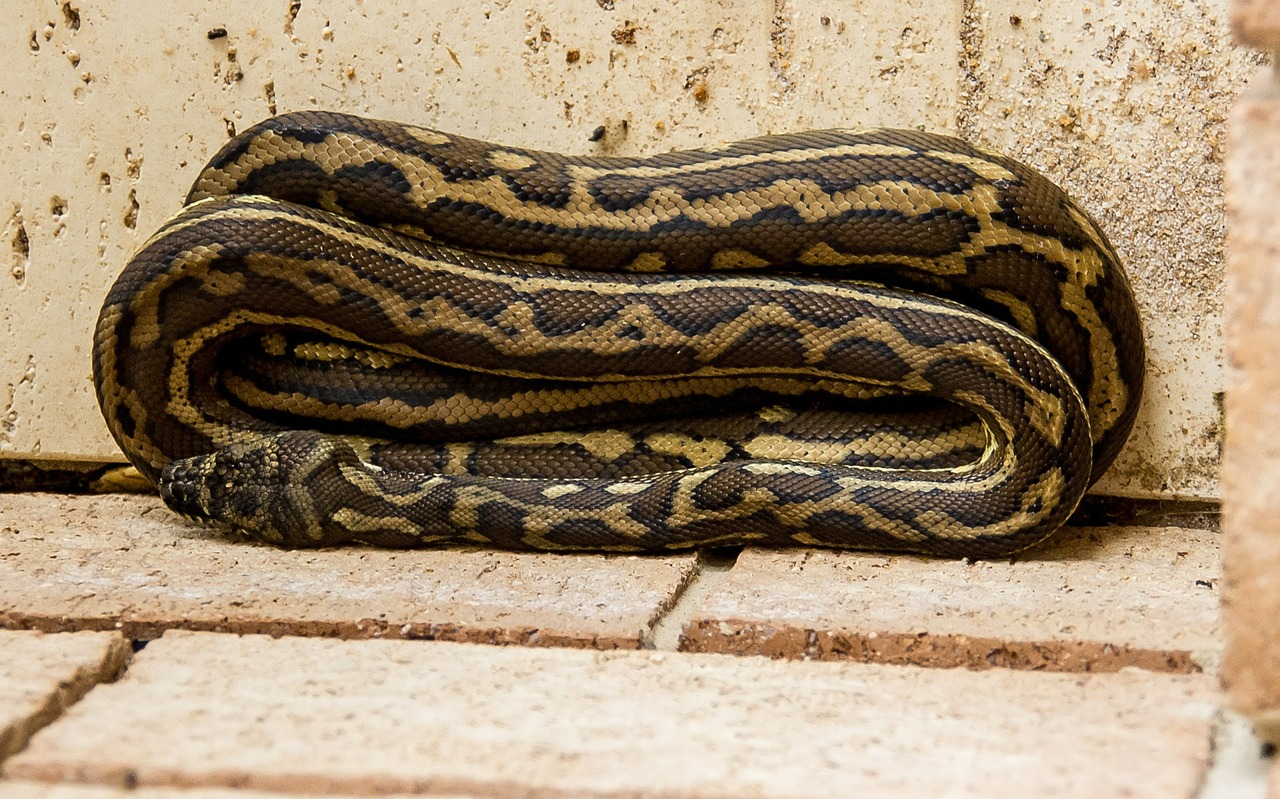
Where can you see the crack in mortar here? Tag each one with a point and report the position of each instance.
(711, 573)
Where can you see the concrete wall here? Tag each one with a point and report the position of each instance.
(107, 109)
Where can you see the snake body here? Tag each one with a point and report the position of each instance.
(364, 331)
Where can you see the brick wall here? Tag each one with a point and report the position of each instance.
(1251, 467)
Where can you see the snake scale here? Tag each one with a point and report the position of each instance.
(364, 331)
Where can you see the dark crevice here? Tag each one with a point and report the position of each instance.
(71, 16)
(295, 6)
(719, 557)
(1102, 511)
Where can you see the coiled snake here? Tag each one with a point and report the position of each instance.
(365, 331)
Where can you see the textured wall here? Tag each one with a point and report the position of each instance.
(109, 108)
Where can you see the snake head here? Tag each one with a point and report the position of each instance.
(276, 488)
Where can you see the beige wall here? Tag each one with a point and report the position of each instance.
(108, 108)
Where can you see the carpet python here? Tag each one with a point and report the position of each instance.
(365, 331)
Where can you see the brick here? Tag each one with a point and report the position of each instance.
(314, 715)
(127, 563)
(1251, 464)
(1256, 22)
(25, 789)
(1101, 600)
(42, 675)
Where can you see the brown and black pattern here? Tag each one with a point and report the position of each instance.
(429, 339)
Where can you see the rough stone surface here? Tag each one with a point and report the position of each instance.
(97, 152)
(1251, 468)
(127, 563)
(1125, 103)
(1100, 600)
(42, 675)
(382, 716)
(1256, 22)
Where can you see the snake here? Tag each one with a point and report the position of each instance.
(360, 331)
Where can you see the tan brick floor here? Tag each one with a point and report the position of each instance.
(314, 714)
(125, 562)
(200, 715)
(1099, 600)
(40, 676)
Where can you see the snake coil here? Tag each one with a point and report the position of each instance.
(364, 331)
